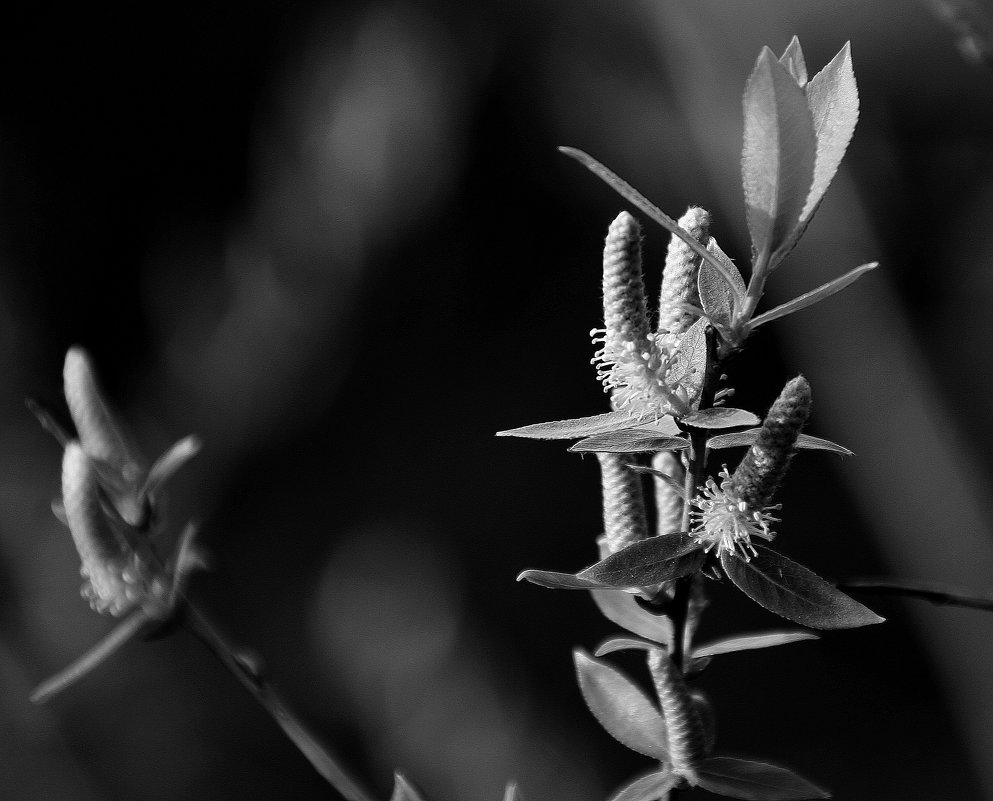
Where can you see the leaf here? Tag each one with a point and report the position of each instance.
(718, 298)
(621, 707)
(118, 636)
(648, 561)
(792, 59)
(739, 439)
(689, 368)
(649, 787)
(632, 440)
(576, 427)
(720, 417)
(777, 162)
(561, 581)
(794, 592)
(168, 463)
(674, 484)
(752, 642)
(403, 790)
(755, 781)
(633, 196)
(833, 99)
(613, 644)
(622, 609)
(822, 292)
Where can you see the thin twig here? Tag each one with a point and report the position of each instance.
(250, 673)
(935, 593)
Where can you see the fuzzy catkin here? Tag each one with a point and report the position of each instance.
(98, 435)
(115, 580)
(625, 310)
(679, 278)
(668, 504)
(624, 519)
(686, 737)
(764, 465)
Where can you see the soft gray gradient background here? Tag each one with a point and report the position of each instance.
(336, 241)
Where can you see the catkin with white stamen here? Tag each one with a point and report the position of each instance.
(624, 520)
(687, 740)
(764, 465)
(679, 278)
(668, 503)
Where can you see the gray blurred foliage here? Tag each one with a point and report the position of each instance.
(336, 241)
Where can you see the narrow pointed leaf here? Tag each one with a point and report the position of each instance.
(633, 196)
(718, 298)
(48, 421)
(755, 781)
(403, 790)
(721, 417)
(632, 440)
(792, 59)
(168, 463)
(576, 427)
(118, 636)
(622, 609)
(613, 644)
(833, 98)
(646, 788)
(739, 439)
(689, 368)
(752, 642)
(674, 484)
(646, 562)
(813, 296)
(794, 592)
(621, 707)
(780, 147)
(561, 581)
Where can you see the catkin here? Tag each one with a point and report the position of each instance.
(679, 278)
(668, 503)
(687, 741)
(624, 519)
(764, 465)
(114, 578)
(625, 311)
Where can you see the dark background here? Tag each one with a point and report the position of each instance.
(336, 241)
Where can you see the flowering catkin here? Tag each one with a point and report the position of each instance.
(679, 279)
(668, 503)
(764, 465)
(624, 519)
(687, 740)
(633, 364)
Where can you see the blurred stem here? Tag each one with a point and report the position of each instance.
(247, 669)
